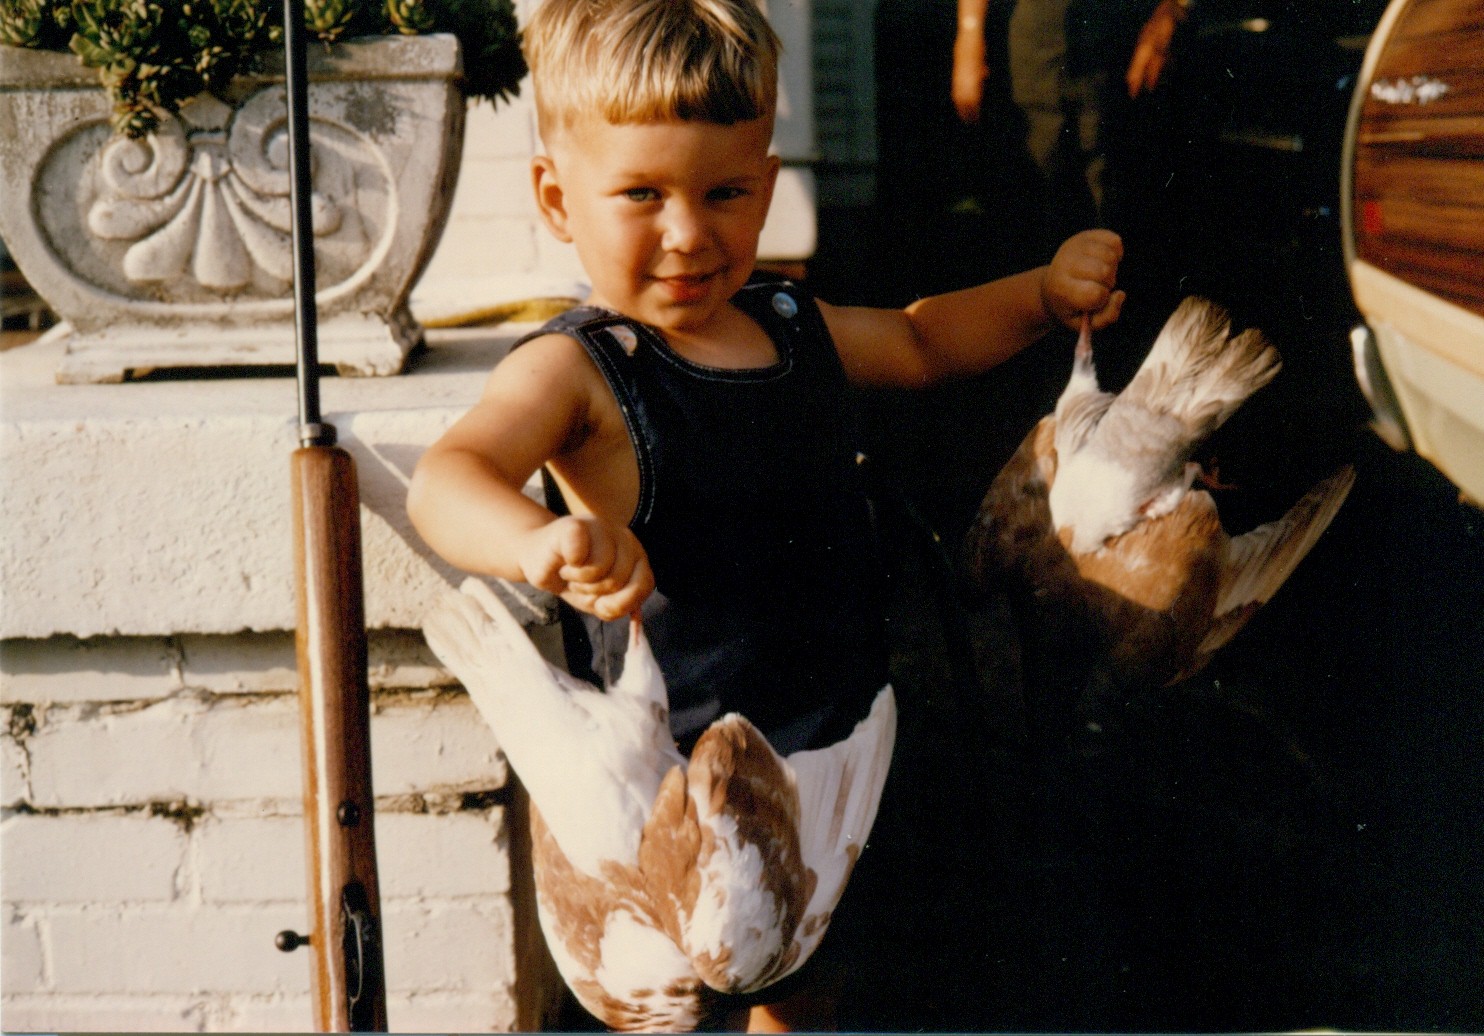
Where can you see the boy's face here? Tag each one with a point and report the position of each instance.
(665, 215)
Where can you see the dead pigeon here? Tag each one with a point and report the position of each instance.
(664, 885)
(1097, 522)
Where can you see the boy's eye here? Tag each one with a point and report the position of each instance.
(641, 194)
(727, 193)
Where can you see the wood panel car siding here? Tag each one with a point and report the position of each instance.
(1413, 193)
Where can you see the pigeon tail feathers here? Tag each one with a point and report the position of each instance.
(1133, 463)
(1196, 373)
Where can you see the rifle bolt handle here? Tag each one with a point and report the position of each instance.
(288, 941)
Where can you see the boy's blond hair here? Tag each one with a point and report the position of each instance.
(633, 61)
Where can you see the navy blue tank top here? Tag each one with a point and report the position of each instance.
(753, 514)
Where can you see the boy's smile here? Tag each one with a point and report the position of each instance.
(665, 215)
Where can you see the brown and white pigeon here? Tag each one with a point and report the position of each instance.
(1097, 519)
(664, 884)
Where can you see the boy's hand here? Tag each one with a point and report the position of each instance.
(1081, 277)
(595, 567)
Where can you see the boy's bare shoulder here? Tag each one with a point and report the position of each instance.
(553, 364)
(551, 379)
(874, 345)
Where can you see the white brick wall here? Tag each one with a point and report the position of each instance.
(494, 249)
(152, 842)
(99, 670)
(40, 858)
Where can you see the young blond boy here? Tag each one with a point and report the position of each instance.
(692, 423)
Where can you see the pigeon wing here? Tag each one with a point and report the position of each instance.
(1260, 561)
(1013, 526)
(839, 791)
(610, 943)
(751, 883)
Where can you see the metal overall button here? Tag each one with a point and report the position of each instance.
(625, 337)
(785, 306)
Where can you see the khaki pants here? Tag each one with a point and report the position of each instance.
(1062, 112)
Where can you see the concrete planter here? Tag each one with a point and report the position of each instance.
(174, 251)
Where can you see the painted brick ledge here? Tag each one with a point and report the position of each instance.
(161, 508)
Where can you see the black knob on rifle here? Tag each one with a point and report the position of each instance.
(288, 941)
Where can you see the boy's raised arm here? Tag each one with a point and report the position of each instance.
(966, 332)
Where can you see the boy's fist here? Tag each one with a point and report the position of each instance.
(595, 567)
(1081, 277)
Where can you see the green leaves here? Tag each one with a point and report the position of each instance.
(42, 24)
(409, 17)
(156, 54)
(487, 31)
(327, 19)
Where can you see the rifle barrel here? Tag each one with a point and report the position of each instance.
(306, 330)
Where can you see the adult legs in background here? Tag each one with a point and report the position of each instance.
(1062, 112)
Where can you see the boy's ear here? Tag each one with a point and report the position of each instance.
(774, 164)
(549, 197)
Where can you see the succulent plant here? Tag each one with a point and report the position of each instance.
(154, 55)
(35, 23)
(409, 16)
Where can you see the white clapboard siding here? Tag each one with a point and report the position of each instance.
(845, 100)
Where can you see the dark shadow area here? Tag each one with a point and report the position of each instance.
(1288, 840)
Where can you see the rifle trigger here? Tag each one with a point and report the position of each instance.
(361, 944)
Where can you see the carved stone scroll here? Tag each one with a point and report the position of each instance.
(175, 250)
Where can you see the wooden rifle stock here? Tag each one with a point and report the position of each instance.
(348, 982)
(347, 975)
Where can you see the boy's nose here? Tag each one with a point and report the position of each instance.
(684, 229)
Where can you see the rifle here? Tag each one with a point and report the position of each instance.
(347, 977)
